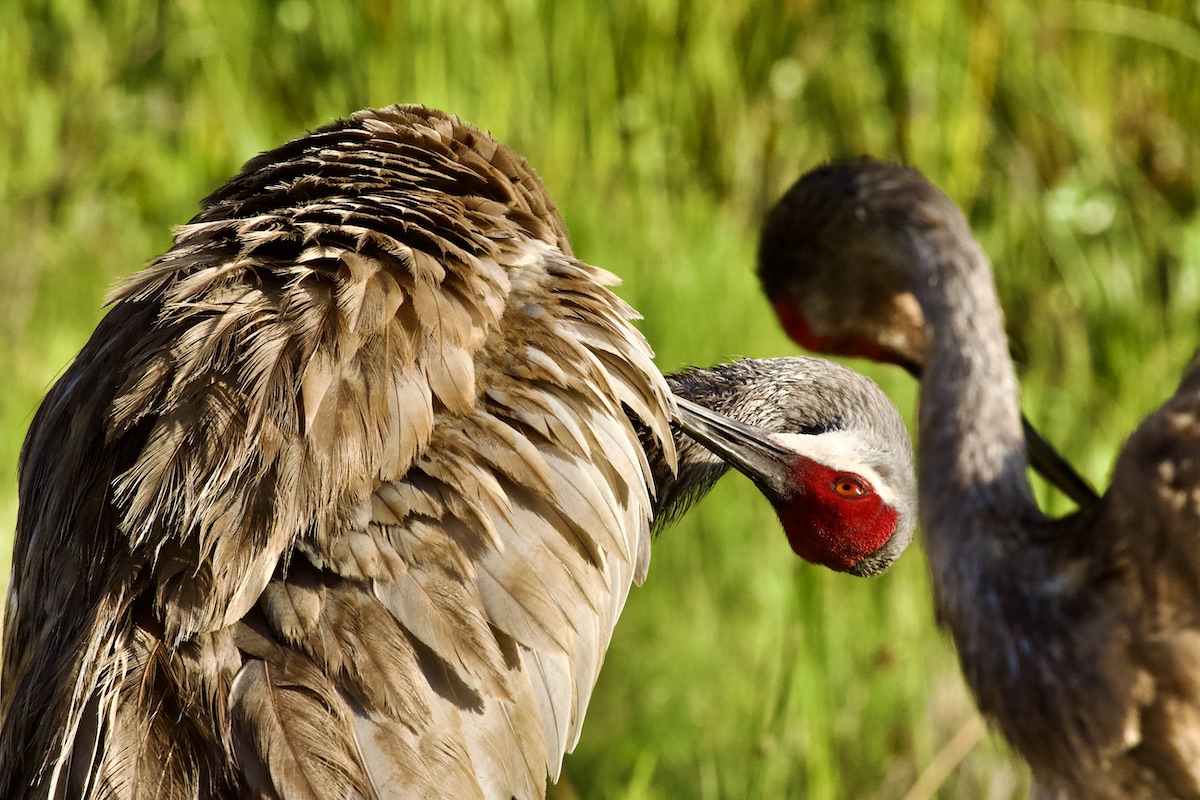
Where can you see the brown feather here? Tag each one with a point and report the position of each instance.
(323, 476)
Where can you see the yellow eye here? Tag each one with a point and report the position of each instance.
(850, 486)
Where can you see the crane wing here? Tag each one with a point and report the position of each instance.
(361, 493)
(1152, 514)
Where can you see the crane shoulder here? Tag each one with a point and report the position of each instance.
(1152, 511)
(1154, 498)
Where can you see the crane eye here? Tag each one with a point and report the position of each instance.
(850, 486)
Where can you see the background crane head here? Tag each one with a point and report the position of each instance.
(838, 265)
(843, 256)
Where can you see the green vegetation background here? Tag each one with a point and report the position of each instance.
(664, 128)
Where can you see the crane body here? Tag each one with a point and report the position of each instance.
(345, 494)
(1078, 636)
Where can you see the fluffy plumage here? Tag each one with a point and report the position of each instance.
(346, 493)
(240, 570)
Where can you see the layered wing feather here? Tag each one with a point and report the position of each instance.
(1152, 509)
(351, 488)
(1129, 670)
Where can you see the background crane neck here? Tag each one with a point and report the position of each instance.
(972, 464)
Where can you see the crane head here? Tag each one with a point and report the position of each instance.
(842, 258)
(830, 452)
(837, 264)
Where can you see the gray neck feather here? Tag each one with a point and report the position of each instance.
(972, 470)
(697, 469)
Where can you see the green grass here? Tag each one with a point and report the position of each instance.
(664, 128)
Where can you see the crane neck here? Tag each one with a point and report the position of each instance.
(972, 464)
(696, 471)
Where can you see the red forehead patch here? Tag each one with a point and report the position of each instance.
(800, 332)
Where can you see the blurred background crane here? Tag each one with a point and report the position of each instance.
(664, 129)
(1078, 635)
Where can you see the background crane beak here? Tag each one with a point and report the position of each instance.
(752, 451)
(1051, 465)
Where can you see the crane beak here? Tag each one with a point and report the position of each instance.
(1057, 470)
(1044, 458)
(752, 451)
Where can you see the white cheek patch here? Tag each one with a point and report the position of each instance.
(841, 452)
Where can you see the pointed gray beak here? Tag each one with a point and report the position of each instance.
(752, 451)
(1056, 469)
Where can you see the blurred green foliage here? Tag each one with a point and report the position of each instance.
(664, 128)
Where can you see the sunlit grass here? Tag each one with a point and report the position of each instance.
(664, 128)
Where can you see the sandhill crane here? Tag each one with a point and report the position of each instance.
(1080, 637)
(347, 490)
